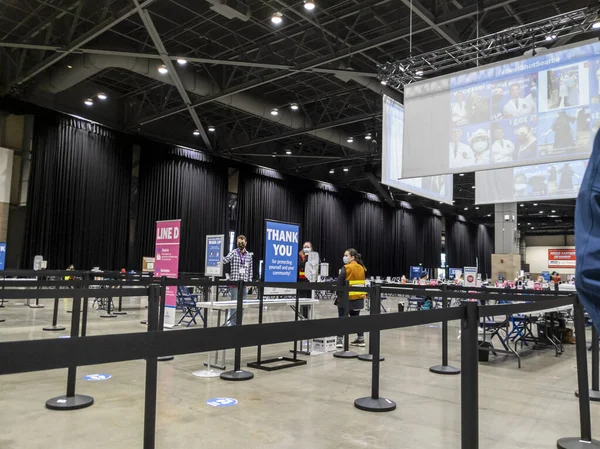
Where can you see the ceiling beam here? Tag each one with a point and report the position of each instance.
(383, 192)
(427, 17)
(103, 26)
(158, 44)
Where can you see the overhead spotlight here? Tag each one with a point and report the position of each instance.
(211, 129)
(102, 96)
(346, 169)
(368, 136)
(419, 73)
(309, 5)
(553, 211)
(383, 82)
(89, 102)
(69, 66)
(596, 25)
(274, 155)
(332, 171)
(350, 139)
(294, 106)
(162, 69)
(466, 208)
(551, 37)
(532, 227)
(196, 132)
(535, 204)
(489, 215)
(274, 111)
(288, 152)
(461, 174)
(528, 224)
(477, 208)
(472, 187)
(521, 205)
(181, 61)
(277, 18)
(541, 212)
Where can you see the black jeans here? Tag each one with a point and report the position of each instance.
(342, 312)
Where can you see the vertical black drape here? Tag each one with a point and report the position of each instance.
(265, 194)
(78, 195)
(175, 183)
(485, 249)
(369, 226)
(461, 243)
(430, 240)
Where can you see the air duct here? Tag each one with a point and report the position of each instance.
(86, 66)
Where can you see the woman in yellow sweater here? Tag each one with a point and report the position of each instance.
(354, 273)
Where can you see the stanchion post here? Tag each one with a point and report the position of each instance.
(2, 296)
(72, 401)
(346, 353)
(295, 351)
(208, 372)
(585, 420)
(594, 393)
(374, 403)
(469, 382)
(369, 357)
(151, 372)
(444, 368)
(119, 311)
(86, 297)
(261, 303)
(55, 326)
(109, 313)
(238, 374)
(161, 315)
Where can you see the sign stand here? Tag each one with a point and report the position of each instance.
(209, 372)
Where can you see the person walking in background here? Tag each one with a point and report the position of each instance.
(353, 272)
(302, 260)
(241, 269)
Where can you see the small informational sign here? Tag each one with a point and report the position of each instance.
(415, 272)
(168, 235)
(454, 273)
(222, 402)
(561, 258)
(96, 377)
(214, 255)
(470, 276)
(281, 255)
(37, 263)
(147, 264)
(546, 276)
(2, 256)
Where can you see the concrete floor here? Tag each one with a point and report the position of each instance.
(304, 407)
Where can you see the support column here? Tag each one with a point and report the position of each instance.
(506, 260)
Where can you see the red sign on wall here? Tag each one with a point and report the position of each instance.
(561, 258)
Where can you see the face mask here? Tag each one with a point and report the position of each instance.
(306, 250)
(241, 245)
(480, 145)
(346, 260)
(520, 186)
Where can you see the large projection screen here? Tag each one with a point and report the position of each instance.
(433, 187)
(521, 112)
(560, 180)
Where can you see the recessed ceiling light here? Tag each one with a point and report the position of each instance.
(346, 169)
(162, 69)
(419, 73)
(274, 155)
(441, 202)
(211, 129)
(368, 136)
(528, 224)
(383, 82)
(277, 18)
(350, 139)
(596, 25)
(535, 204)
(196, 132)
(477, 208)
(288, 152)
(89, 102)
(489, 215)
(532, 227)
(472, 187)
(541, 212)
(466, 208)
(69, 66)
(332, 171)
(551, 37)
(553, 211)
(409, 193)
(522, 205)
(309, 5)
(294, 106)
(181, 61)
(102, 96)
(461, 174)
(274, 111)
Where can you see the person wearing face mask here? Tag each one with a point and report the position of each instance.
(527, 143)
(241, 269)
(353, 272)
(480, 144)
(503, 150)
(307, 248)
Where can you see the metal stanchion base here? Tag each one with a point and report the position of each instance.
(76, 402)
(144, 322)
(54, 328)
(444, 369)
(119, 313)
(108, 316)
(237, 375)
(206, 373)
(576, 443)
(212, 365)
(345, 355)
(36, 306)
(2, 321)
(375, 405)
(594, 395)
(369, 358)
(166, 358)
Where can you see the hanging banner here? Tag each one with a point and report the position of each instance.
(166, 262)
(281, 255)
(561, 258)
(470, 276)
(214, 255)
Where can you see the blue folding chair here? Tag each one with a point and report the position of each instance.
(190, 305)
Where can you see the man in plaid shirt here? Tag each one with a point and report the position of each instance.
(241, 269)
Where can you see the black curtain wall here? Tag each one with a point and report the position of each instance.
(176, 183)
(431, 240)
(461, 243)
(78, 195)
(485, 249)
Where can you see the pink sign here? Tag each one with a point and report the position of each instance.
(166, 261)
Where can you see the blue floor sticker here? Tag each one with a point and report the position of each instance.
(97, 377)
(222, 402)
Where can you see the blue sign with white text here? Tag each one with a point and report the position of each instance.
(415, 272)
(546, 276)
(2, 255)
(452, 272)
(221, 402)
(214, 255)
(281, 252)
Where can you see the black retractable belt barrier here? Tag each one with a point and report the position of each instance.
(161, 316)
(84, 316)
(346, 353)
(369, 357)
(444, 368)
(151, 372)
(374, 403)
(594, 391)
(71, 401)
(238, 374)
(469, 382)
(119, 311)
(585, 440)
(37, 304)
(109, 305)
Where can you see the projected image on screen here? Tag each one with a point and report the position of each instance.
(470, 145)
(535, 182)
(564, 132)
(515, 97)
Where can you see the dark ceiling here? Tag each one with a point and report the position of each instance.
(324, 60)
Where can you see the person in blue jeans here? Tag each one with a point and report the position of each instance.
(241, 269)
(587, 237)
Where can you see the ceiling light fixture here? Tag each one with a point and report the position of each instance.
(522, 205)
(274, 155)
(162, 69)
(472, 187)
(532, 227)
(69, 66)
(350, 139)
(288, 152)
(211, 129)
(368, 136)
(596, 25)
(274, 111)
(346, 169)
(102, 96)
(541, 212)
(477, 208)
(419, 73)
(461, 174)
(196, 132)
(294, 106)
(551, 37)
(332, 171)
(383, 82)
(89, 102)
(528, 224)
(277, 18)
(466, 208)
(535, 204)
(309, 5)
(553, 211)
(181, 61)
